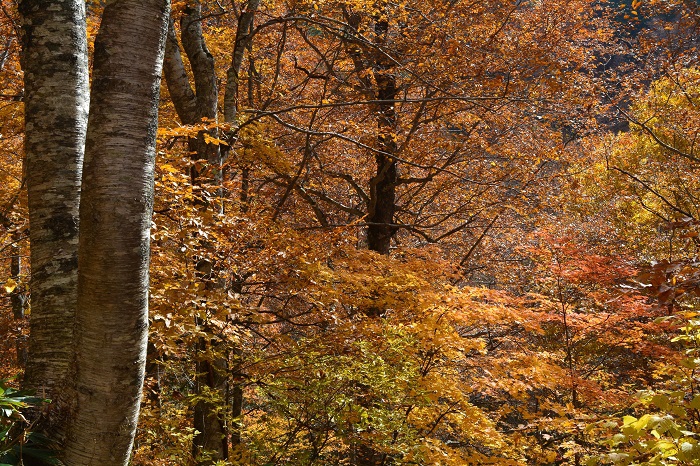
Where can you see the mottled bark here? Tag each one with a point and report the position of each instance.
(192, 106)
(201, 62)
(55, 66)
(176, 79)
(115, 212)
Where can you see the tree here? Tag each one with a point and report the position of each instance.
(56, 108)
(111, 319)
(13, 218)
(193, 107)
(308, 151)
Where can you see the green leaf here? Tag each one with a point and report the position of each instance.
(695, 403)
(661, 401)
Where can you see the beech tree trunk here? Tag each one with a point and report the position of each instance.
(56, 103)
(211, 442)
(115, 211)
(241, 43)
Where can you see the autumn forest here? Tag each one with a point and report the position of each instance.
(349, 232)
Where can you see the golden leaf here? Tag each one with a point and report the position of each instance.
(10, 285)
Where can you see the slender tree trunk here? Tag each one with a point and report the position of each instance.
(236, 389)
(211, 442)
(115, 212)
(237, 405)
(18, 297)
(192, 106)
(241, 43)
(55, 66)
(382, 206)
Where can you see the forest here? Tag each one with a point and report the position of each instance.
(349, 232)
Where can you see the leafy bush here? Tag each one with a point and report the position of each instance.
(17, 441)
(667, 430)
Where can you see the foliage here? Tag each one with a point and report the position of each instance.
(520, 316)
(667, 427)
(18, 441)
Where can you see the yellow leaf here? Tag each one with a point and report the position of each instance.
(212, 140)
(10, 285)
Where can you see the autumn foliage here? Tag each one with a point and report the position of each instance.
(530, 168)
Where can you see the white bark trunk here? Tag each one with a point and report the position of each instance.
(56, 108)
(115, 212)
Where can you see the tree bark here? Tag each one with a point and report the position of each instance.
(382, 193)
(18, 298)
(176, 79)
(193, 106)
(240, 44)
(382, 206)
(115, 211)
(211, 442)
(56, 100)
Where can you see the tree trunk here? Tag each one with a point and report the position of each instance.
(18, 298)
(211, 442)
(116, 207)
(192, 106)
(56, 100)
(382, 206)
(240, 44)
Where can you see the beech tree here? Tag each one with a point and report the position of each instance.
(194, 106)
(56, 109)
(98, 356)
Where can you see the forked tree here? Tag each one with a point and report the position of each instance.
(89, 342)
